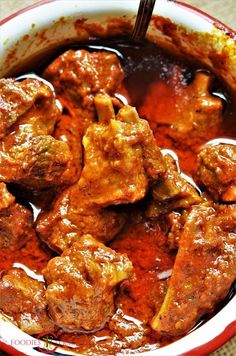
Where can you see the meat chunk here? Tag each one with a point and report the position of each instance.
(121, 156)
(190, 112)
(78, 76)
(217, 171)
(16, 226)
(172, 191)
(82, 284)
(204, 269)
(23, 299)
(131, 333)
(28, 154)
(72, 217)
(16, 99)
(202, 111)
(16, 222)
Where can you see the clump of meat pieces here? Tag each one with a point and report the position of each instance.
(82, 284)
(78, 76)
(29, 155)
(172, 191)
(217, 171)
(23, 299)
(204, 269)
(120, 158)
(16, 221)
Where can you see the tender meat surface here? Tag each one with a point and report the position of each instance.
(82, 284)
(23, 298)
(172, 191)
(72, 217)
(17, 98)
(217, 171)
(16, 222)
(29, 155)
(78, 76)
(204, 269)
(121, 156)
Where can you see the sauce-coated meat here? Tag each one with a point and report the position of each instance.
(121, 156)
(82, 284)
(72, 217)
(217, 171)
(204, 269)
(78, 76)
(16, 98)
(23, 298)
(29, 155)
(16, 222)
(172, 191)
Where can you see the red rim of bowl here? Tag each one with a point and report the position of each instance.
(217, 23)
(230, 330)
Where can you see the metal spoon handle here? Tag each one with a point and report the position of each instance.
(142, 20)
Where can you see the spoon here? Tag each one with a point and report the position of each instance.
(142, 20)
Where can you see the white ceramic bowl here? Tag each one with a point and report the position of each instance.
(181, 29)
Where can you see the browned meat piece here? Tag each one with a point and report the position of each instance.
(204, 269)
(171, 192)
(17, 98)
(121, 156)
(37, 164)
(27, 99)
(16, 222)
(82, 284)
(28, 154)
(23, 299)
(131, 333)
(16, 226)
(217, 171)
(78, 76)
(72, 217)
